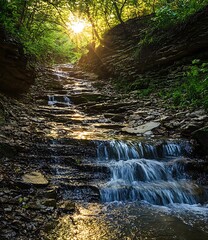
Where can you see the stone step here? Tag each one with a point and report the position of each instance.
(81, 192)
(53, 111)
(72, 99)
(76, 177)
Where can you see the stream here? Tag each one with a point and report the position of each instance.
(124, 187)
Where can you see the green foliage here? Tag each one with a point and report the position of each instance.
(42, 25)
(177, 97)
(173, 12)
(53, 46)
(141, 88)
(31, 20)
(194, 91)
(145, 92)
(121, 85)
(167, 14)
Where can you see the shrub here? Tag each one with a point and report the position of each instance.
(194, 91)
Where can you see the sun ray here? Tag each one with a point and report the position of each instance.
(78, 26)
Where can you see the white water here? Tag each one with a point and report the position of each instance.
(120, 150)
(145, 172)
(53, 101)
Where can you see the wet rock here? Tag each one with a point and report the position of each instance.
(172, 124)
(135, 123)
(114, 117)
(148, 134)
(188, 129)
(2, 116)
(142, 128)
(49, 203)
(8, 209)
(51, 193)
(201, 137)
(198, 113)
(35, 205)
(35, 179)
(108, 125)
(168, 125)
(8, 234)
(67, 206)
(50, 226)
(149, 118)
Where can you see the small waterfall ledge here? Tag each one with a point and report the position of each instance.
(146, 172)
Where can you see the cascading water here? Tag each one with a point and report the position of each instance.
(143, 174)
(142, 171)
(120, 150)
(67, 100)
(52, 100)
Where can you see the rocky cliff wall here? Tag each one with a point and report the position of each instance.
(15, 75)
(121, 55)
(158, 63)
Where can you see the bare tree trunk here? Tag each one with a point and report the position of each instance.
(118, 13)
(22, 14)
(93, 26)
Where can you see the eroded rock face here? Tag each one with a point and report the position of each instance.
(119, 55)
(15, 76)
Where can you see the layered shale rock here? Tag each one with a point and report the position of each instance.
(124, 54)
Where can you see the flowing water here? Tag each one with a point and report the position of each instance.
(148, 195)
(143, 172)
(124, 189)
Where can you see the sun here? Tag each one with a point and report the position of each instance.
(80, 29)
(78, 26)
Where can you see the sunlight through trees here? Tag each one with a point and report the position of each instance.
(49, 32)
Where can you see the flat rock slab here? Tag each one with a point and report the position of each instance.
(34, 178)
(142, 128)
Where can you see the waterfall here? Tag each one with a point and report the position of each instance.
(67, 100)
(64, 100)
(147, 172)
(121, 150)
(51, 100)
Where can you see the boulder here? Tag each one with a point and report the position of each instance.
(142, 128)
(34, 178)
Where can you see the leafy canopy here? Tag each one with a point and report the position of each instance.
(45, 26)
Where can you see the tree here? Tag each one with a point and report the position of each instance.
(34, 22)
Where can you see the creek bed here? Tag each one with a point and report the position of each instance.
(140, 221)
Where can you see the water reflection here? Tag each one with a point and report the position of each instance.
(77, 132)
(133, 221)
(88, 223)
